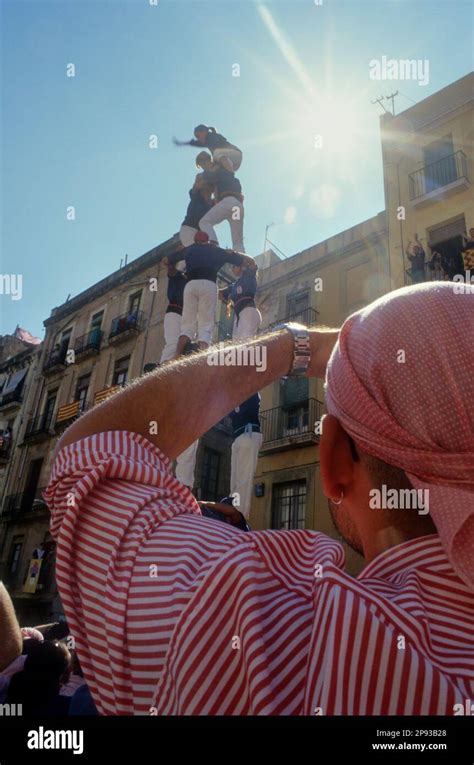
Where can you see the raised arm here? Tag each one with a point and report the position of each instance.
(10, 634)
(187, 397)
(183, 143)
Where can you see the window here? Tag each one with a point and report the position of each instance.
(121, 371)
(210, 475)
(293, 391)
(289, 505)
(440, 163)
(15, 554)
(297, 419)
(65, 338)
(82, 390)
(49, 407)
(96, 321)
(297, 304)
(134, 302)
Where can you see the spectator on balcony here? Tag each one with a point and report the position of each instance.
(223, 153)
(417, 260)
(228, 202)
(247, 317)
(200, 202)
(203, 262)
(452, 264)
(434, 266)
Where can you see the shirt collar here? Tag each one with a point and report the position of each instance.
(420, 553)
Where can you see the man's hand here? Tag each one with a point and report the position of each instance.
(232, 515)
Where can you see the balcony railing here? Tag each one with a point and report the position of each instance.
(308, 317)
(438, 175)
(56, 359)
(9, 399)
(296, 426)
(89, 343)
(39, 427)
(126, 324)
(68, 413)
(5, 448)
(101, 395)
(15, 505)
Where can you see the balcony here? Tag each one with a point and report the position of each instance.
(38, 428)
(88, 344)
(67, 414)
(16, 506)
(105, 393)
(290, 428)
(439, 180)
(56, 360)
(308, 317)
(5, 449)
(126, 325)
(12, 400)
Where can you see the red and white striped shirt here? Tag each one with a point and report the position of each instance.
(179, 614)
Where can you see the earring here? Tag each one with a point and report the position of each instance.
(338, 501)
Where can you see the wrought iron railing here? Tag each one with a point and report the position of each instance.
(25, 502)
(308, 317)
(39, 425)
(438, 174)
(127, 321)
(281, 424)
(90, 341)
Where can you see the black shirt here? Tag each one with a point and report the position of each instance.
(197, 208)
(246, 416)
(225, 182)
(176, 285)
(213, 141)
(204, 261)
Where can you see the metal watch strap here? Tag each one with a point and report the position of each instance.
(302, 348)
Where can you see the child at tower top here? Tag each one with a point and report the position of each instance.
(223, 152)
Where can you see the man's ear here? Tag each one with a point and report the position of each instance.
(335, 457)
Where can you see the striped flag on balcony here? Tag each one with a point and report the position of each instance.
(68, 411)
(101, 395)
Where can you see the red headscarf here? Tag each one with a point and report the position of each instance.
(401, 382)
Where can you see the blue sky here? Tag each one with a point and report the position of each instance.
(143, 70)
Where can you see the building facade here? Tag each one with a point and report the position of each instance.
(428, 173)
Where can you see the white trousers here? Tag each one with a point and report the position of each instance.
(172, 331)
(185, 465)
(244, 458)
(199, 309)
(186, 234)
(234, 155)
(231, 209)
(248, 325)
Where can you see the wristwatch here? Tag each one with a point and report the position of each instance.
(302, 348)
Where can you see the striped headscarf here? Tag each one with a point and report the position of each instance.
(401, 382)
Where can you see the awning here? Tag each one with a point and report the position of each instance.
(14, 380)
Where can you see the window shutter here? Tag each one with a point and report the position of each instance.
(295, 390)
